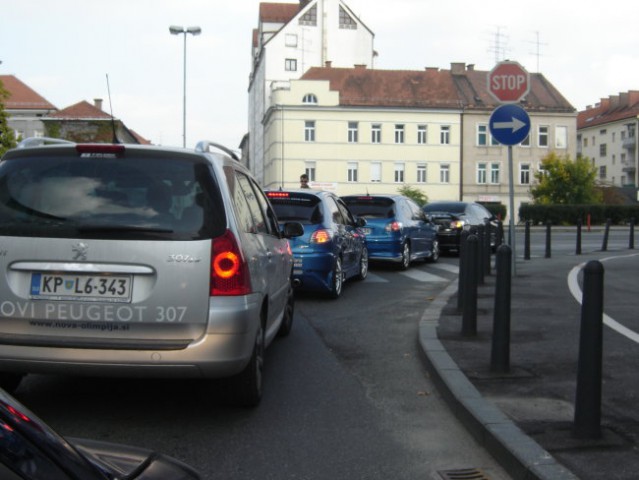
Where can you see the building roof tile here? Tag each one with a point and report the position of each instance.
(81, 111)
(612, 109)
(22, 97)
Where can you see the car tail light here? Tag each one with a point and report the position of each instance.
(393, 226)
(321, 236)
(229, 270)
(278, 194)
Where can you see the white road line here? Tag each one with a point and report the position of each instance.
(573, 285)
(422, 276)
(445, 266)
(372, 278)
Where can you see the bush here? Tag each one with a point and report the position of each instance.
(570, 214)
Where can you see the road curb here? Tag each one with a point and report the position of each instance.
(516, 452)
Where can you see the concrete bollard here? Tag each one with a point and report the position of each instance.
(587, 422)
(500, 352)
(469, 314)
(548, 245)
(463, 238)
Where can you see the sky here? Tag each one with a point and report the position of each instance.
(65, 50)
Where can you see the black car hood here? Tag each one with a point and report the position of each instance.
(131, 463)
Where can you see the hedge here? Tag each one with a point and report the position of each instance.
(570, 214)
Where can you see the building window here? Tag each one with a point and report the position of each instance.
(614, 159)
(422, 134)
(561, 137)
(585, 141)
(309, 131)
(524, 174)
(345, 20)
(399, 133)
(444, 135)
(376, 133)
(603, 150)
(526, 141)
(352, 171)
(290, 65)
(399, 173)
(352, 132)
(444, 173)
(309, 169)
(542, 135)
(310, 17)
(291, 40)
(602, 172)
(481, 173)
(376, 172)
(482, 134)
(38, 133)
(421, 173)
(310, 98)
(494, 173)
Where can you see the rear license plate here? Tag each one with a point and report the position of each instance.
(103, 288)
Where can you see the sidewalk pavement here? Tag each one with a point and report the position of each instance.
(525, 417)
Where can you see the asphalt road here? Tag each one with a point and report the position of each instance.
(347, 396)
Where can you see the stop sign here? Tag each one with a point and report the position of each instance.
(508, 82)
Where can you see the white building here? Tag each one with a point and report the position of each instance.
(290, 39)
(607, 134)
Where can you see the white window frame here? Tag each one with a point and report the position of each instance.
(376, 133)
(422, 134)
(399, 133)
(495, 173)
(400, 168)
(561, 137)
(444, 173)
(309, 131)
(352, 172)
(543, 133)
(290, 64)
(309, 169)
(481, 173)
(376, 172)
(353, 132)
(444, 135)
(524, 173)
(482, 135)
(422, 173)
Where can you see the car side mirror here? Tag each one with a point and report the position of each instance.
(360, 222)
(292, 229)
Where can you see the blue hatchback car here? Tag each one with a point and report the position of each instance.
(397, 230)
(333, 247)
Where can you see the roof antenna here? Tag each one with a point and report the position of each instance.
(115, 135)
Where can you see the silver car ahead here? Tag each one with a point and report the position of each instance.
(127, 260)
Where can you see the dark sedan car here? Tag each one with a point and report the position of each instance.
(397, 230)
(31, 450)
(455, 217)
(333, 247)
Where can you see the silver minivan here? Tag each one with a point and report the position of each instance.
(129, 260)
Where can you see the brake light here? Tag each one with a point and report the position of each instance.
(393, 227)
(321, 236)
(229, 270)
(100, 148)
(277, 194)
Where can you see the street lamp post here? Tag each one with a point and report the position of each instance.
(177, 31)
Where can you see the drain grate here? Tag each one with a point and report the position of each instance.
(463, 474)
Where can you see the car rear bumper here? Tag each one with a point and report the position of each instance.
(313, 271)
(384, 249)
(223, 350)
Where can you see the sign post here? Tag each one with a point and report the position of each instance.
(508, 83)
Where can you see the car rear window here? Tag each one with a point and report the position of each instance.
(126, 197)
(371, 207)
(296, 207)
(445, 207)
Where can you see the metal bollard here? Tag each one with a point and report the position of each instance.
(527, 241)
(461, 279)
(487, 248)
(548, 246)
(481, 240)
(631, 241)
(469, 314)
(500, 232)
(500, 352)
(587, 421)
(604, 243)
(578, 246)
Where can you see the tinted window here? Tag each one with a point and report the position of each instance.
(140, 198)
(298, 207)
(371, 207)
(453, 207)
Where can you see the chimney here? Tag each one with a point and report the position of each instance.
(633, 97)
(614, 102)
(457, 68)
(328, 64)
(470, 67)
(97, 103)
(623, 99)
(604, 104)
(432, 69)
(360, 66)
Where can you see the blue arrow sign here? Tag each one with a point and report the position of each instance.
(509, 124)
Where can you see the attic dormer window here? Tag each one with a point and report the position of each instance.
(310, 98)
(310, 17)
(345, 20)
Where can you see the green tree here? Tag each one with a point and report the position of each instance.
(563, 181)
(7, 136)
(414, 193)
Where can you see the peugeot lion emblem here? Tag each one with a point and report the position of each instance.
(80, 251)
